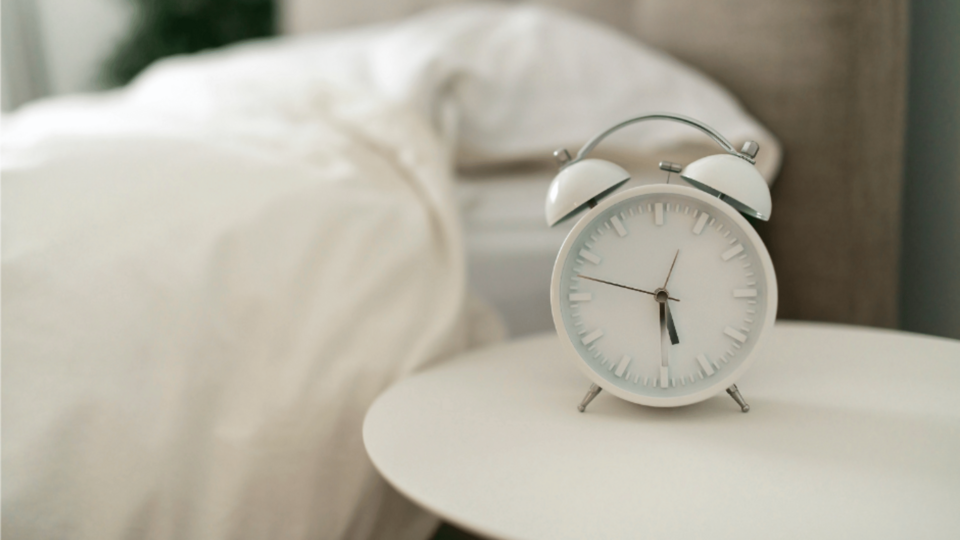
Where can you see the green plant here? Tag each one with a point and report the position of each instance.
(168, 27)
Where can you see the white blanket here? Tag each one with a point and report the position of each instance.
(195, 319)
(208, 276)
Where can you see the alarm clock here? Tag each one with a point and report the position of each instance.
(664, 294)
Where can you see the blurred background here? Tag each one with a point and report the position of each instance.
(54, 47)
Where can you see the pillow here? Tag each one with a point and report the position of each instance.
(502, 83)
(525, 80)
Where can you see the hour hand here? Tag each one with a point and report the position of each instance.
(671, 328)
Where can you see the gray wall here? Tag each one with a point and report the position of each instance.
(930, 277)
(55, 47)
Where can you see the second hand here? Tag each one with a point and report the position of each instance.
(623, 286)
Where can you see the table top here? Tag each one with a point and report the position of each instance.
(852, 433)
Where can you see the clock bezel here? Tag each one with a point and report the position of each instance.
(721, 383)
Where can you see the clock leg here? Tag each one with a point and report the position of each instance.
(735, 394)
(592, 393)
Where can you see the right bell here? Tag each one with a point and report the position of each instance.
(734, 180)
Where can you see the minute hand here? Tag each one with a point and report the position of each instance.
(622, 286)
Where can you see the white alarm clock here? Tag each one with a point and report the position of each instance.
(663, 294)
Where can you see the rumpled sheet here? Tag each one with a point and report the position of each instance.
(197, 313)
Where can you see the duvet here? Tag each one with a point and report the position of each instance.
(198, 310)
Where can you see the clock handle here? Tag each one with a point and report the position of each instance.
(592, 393)
(748, 153)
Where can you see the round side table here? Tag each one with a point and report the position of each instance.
(852, 433)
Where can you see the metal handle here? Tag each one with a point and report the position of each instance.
(712, 133)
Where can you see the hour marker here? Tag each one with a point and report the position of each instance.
(744, 293)
(698, 228)
(618, 226)
(622, 366)
(658, 213)
(581, 297)
(590, 256)
(664, 381)
(596, 334)
(727, 255)
(705, 364)
(730, 332)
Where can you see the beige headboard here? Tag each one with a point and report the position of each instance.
(826, 76)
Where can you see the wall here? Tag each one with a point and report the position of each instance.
(78, 35)
(930, 276)
(55, 47)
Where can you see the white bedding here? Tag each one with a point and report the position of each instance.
(208, 276)
(195, 320)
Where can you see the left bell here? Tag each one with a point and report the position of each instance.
(580, 183)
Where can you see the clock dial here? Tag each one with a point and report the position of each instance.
(664, 293)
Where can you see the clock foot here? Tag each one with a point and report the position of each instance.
(735, 394)
(592, 393)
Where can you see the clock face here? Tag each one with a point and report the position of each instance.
(720, 294)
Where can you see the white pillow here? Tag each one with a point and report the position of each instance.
(502, 83)
(526, 80)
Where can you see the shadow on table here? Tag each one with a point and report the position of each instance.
(449, 532)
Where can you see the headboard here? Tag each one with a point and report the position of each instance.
(826, 76)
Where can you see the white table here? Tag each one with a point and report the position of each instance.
(853, 433)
